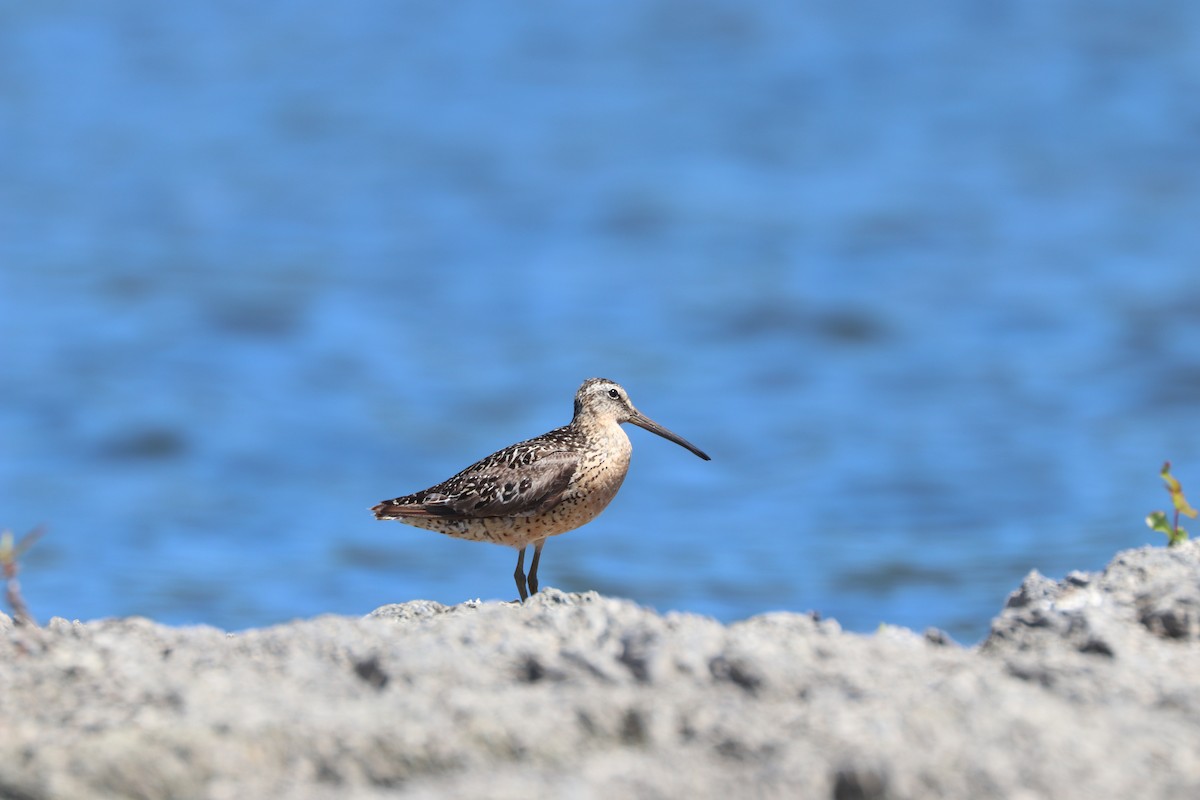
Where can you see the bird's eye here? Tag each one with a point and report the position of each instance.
(614, 394)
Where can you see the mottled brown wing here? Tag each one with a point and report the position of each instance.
(491, 488)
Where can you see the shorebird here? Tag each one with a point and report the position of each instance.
(538, 488)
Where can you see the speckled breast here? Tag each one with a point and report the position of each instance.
(601, 472)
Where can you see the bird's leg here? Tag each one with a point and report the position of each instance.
(519, 575)
(533, 565)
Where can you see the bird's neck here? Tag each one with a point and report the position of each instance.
(597, 427)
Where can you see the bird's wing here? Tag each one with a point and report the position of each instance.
(491, 488)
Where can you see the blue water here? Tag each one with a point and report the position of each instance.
(922, 278)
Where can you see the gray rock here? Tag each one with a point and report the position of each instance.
(1127, 634)
(1087, 687)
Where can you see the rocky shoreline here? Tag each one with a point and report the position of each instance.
(1085, 687)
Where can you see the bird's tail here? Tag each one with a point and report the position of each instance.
(393, 509)
(385, 510)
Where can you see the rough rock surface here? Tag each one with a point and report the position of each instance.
(1088, 687)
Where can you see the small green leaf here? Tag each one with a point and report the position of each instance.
(1179, 535)
(1173, 486)
(1157, 521)
(1182, 506)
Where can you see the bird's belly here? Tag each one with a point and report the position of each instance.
(583, 503)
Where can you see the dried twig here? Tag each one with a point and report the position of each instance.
(9, 553)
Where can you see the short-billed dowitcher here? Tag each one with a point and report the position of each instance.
(538, 488)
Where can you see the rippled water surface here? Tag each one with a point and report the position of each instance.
(922, 278)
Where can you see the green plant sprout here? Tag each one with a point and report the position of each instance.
(9, 553)
(1157, 520)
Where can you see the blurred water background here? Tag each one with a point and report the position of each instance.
(922, 278)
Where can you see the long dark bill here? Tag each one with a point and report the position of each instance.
(645, 422)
